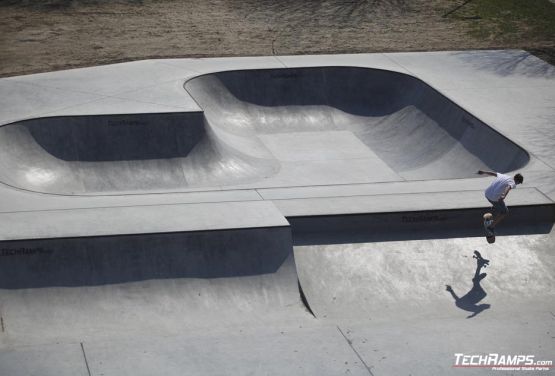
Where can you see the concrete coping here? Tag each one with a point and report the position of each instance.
(111, 221)
(386, 203)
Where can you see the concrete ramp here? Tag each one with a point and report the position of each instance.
(411, 306)
(160, 307)
(407, 279)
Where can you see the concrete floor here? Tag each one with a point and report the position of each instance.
(121, 255)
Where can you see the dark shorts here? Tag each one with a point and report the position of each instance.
(499, 207)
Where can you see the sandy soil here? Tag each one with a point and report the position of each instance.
(63, 34)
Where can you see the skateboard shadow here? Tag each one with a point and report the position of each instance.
(469, 302)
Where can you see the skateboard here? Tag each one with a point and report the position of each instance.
(490, 235)
(480, 259)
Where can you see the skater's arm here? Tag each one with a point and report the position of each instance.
(490, 173)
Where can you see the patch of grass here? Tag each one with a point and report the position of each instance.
(509, 20)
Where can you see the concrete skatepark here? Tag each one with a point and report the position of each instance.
(275, 215)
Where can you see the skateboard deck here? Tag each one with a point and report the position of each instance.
(490, 235)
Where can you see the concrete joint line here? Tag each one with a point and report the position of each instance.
(350, 343)
(280, 61)
(259, 195)
(85, 358)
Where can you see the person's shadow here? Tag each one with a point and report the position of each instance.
(469, 302)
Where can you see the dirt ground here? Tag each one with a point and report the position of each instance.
(38, 36)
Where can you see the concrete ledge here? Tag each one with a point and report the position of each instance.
(418, 225)
(390, 188)
(139, 220)
(118, 259)
(383, 203)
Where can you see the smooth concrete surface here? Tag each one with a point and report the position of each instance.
(145, 219)
(391, 299)
(157, 308)
(295, 351)
(338, 281)
(145, 272)
(52, 360)
(398, 202)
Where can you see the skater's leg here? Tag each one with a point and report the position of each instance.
(498, 219)
(499, 211)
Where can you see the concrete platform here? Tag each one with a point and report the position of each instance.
(275, 215)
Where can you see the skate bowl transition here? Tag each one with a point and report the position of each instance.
(403, 128)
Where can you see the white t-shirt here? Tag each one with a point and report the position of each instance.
(498, 186)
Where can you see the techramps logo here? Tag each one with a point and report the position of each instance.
(501, 362)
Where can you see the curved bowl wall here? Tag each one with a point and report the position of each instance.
(121, 153)
(412, 129)
(419, 133)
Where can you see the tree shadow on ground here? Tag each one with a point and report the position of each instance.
(509, 62)
(469, 302)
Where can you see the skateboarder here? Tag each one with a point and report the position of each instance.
(498, 191)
